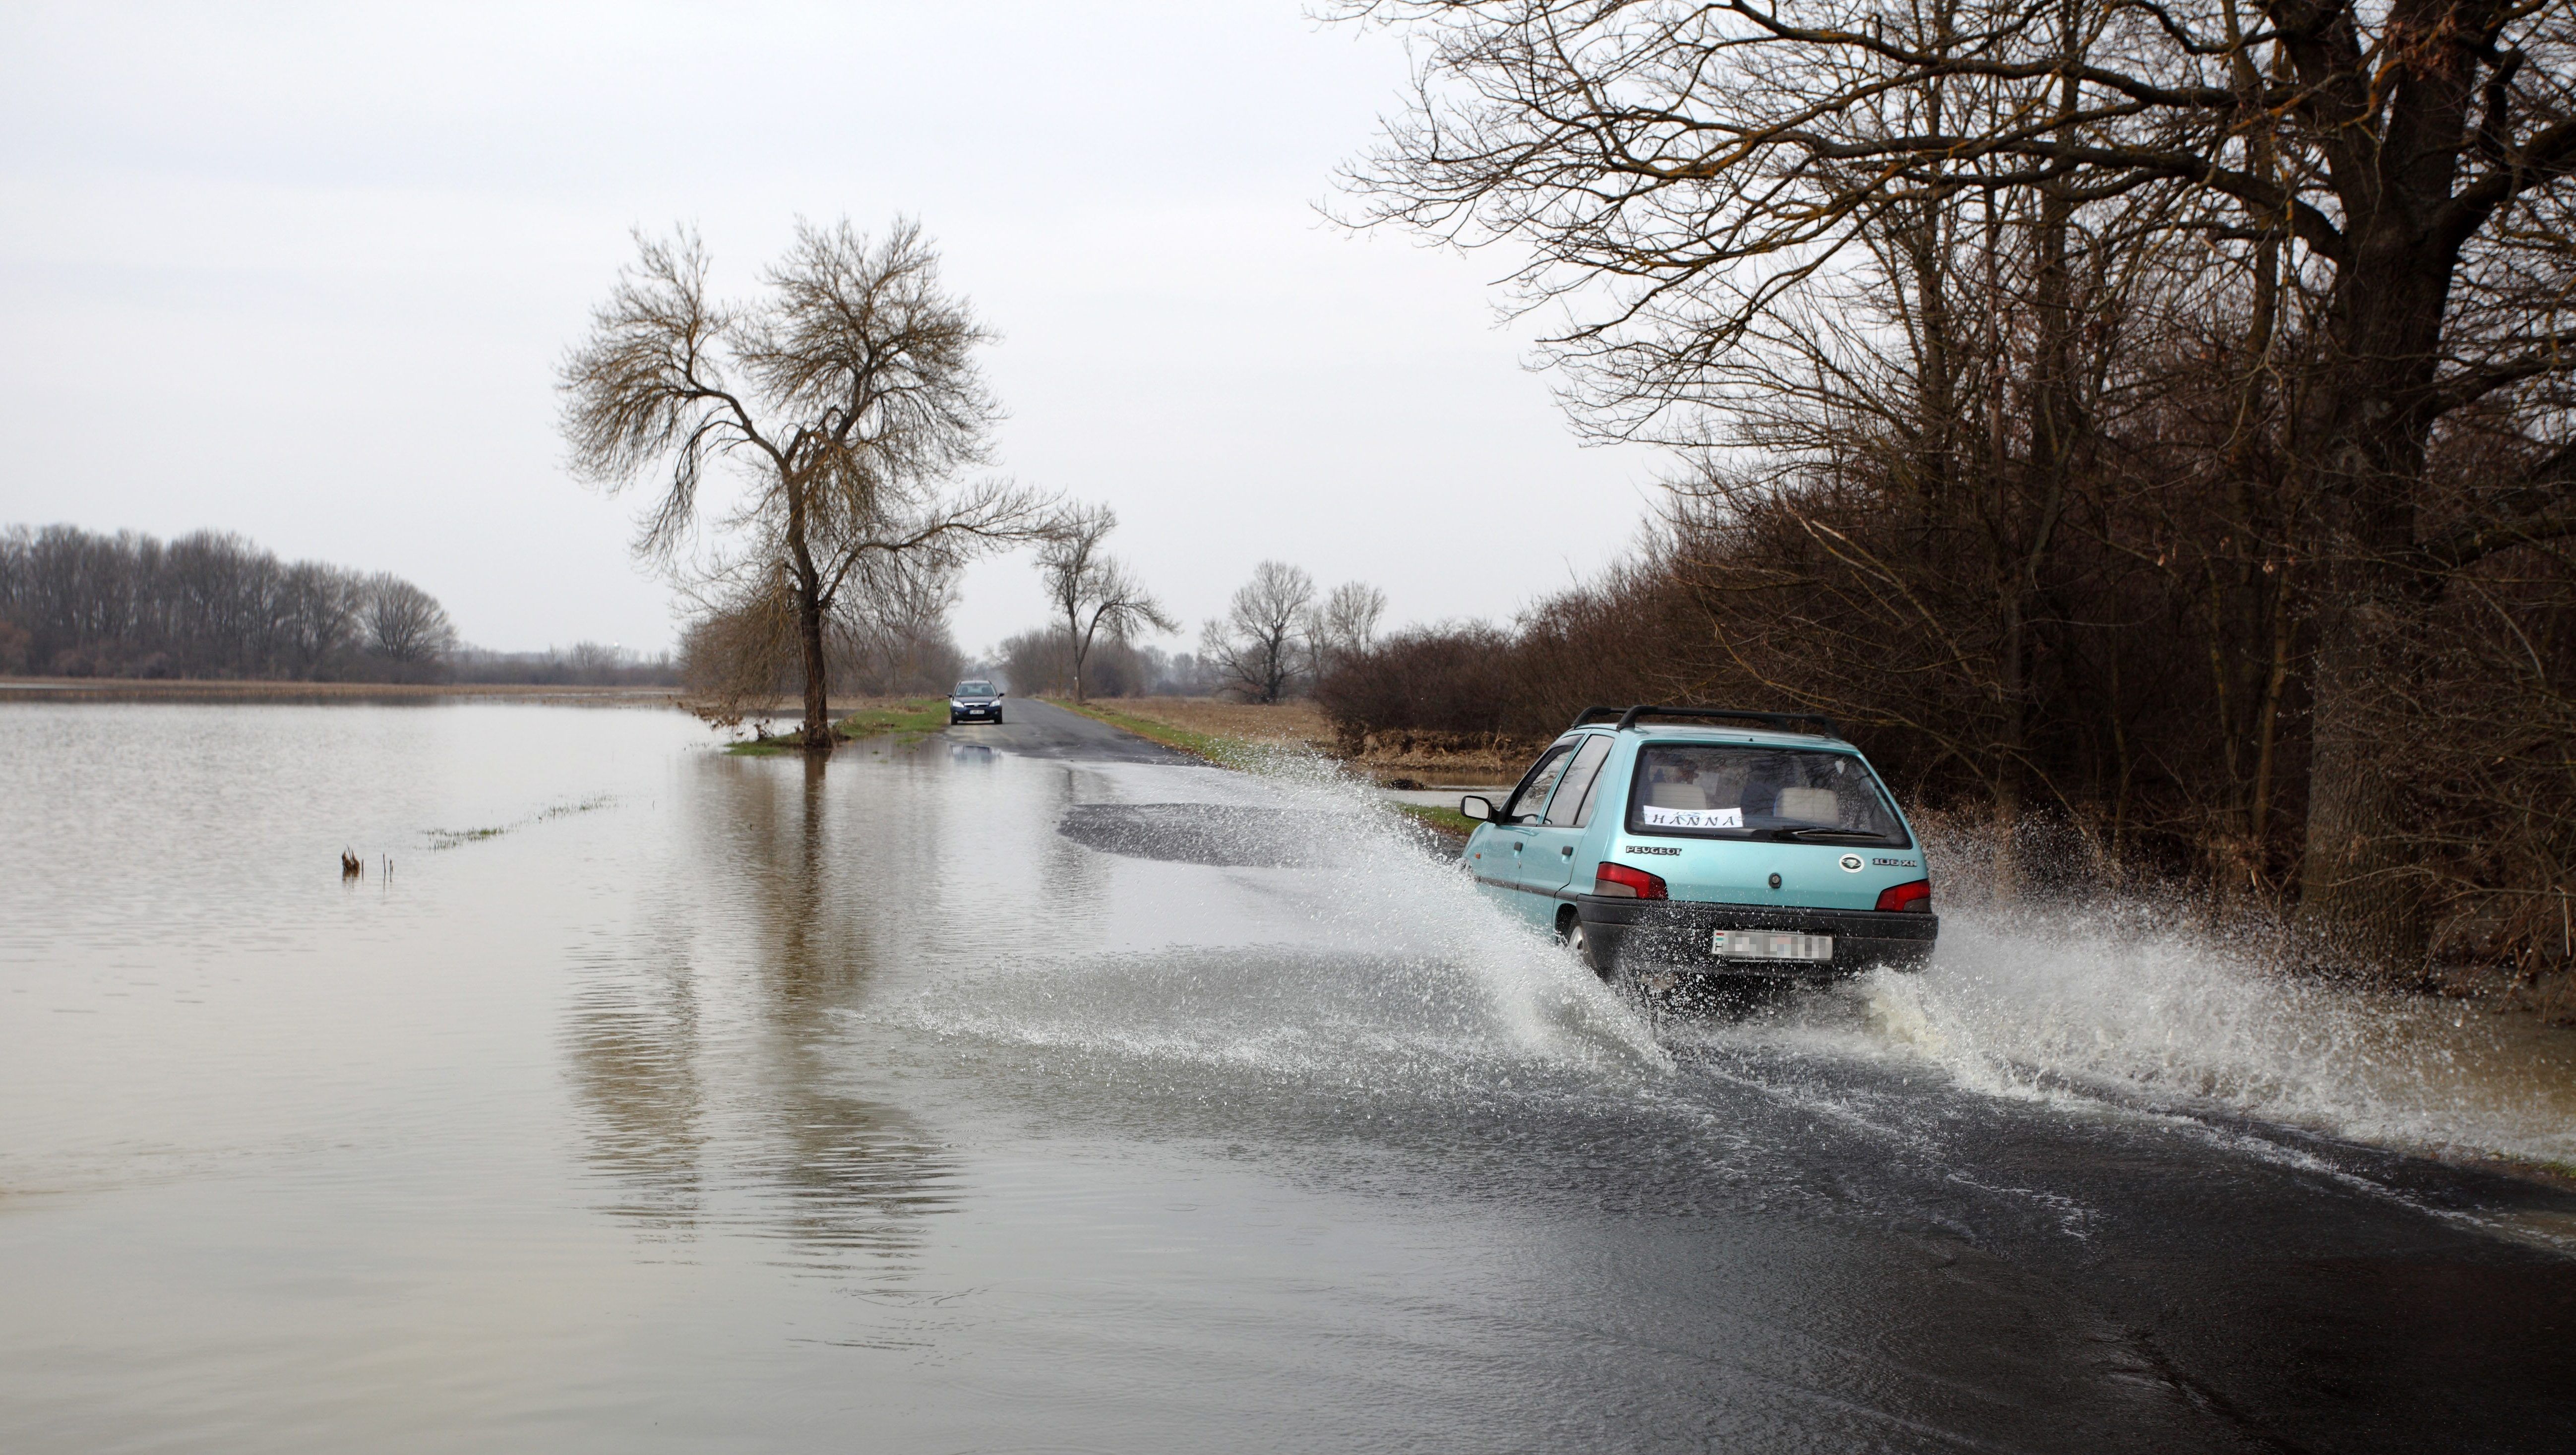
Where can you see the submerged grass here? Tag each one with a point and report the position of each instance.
(451, 838)
(911, 719)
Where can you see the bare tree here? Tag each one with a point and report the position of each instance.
(1255, 645)
(899, 642)
(1345, 626)
(593, 661)
(847, 399)
(405, 624)
(318, 611)
(1684, 176)
(1091, 590)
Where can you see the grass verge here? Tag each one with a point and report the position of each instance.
(1224, 752)
(1238, 753)
(1439, 820)
(911, 720)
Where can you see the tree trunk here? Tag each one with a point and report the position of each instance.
(808, 584)
(809, 632)
(2355, 888)
(2375, 412)
(1079, 644)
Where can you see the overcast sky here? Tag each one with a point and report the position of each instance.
(305, 273)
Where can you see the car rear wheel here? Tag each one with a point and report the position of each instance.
(1579, 944)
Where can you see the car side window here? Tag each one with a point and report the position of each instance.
(1542, 776)
(1572, 806)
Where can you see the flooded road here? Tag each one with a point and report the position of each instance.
(1030, 1089)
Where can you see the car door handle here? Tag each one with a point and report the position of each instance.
(1567, 851)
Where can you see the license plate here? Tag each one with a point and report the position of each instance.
(1770, 945)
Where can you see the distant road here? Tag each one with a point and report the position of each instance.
(1042, 730)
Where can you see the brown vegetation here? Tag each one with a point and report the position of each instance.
(2150, 416)
(1430, 759)
(737, 663)
(1296, 725)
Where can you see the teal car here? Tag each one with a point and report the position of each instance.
(1711, 842)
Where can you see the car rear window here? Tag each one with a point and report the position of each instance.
(1741, 791)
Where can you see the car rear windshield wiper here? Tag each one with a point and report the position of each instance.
(1859, 835)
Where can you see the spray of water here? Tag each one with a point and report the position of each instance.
(1383, 968)
(1532, 993)
(1403, 974)
(2104, 1000)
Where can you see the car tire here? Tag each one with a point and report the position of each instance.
(997, 719)
(1579, 944)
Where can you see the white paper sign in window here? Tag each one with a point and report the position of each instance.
(1691, 818)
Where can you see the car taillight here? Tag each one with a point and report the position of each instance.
(1916, 896)
(1621, 882)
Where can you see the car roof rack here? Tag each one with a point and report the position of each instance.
(1590, 713)
(1800, 722)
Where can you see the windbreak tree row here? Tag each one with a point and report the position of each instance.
(2154, 414)
(74, 603)
(1277, 638)
(1039, 663)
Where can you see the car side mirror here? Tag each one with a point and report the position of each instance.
(1478, 807)
(998, 696)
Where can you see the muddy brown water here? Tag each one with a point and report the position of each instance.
(1029, 1088)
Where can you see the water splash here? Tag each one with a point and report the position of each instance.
(1404, 975)
(2110, 1000)
(1396, 884)
(1400, 973)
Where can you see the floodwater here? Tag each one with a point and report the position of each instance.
(1029, 1090)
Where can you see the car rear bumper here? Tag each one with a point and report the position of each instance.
(1680, 933)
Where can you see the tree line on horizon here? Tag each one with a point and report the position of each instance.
(76, 603)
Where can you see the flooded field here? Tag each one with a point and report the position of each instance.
(1030, 1089)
